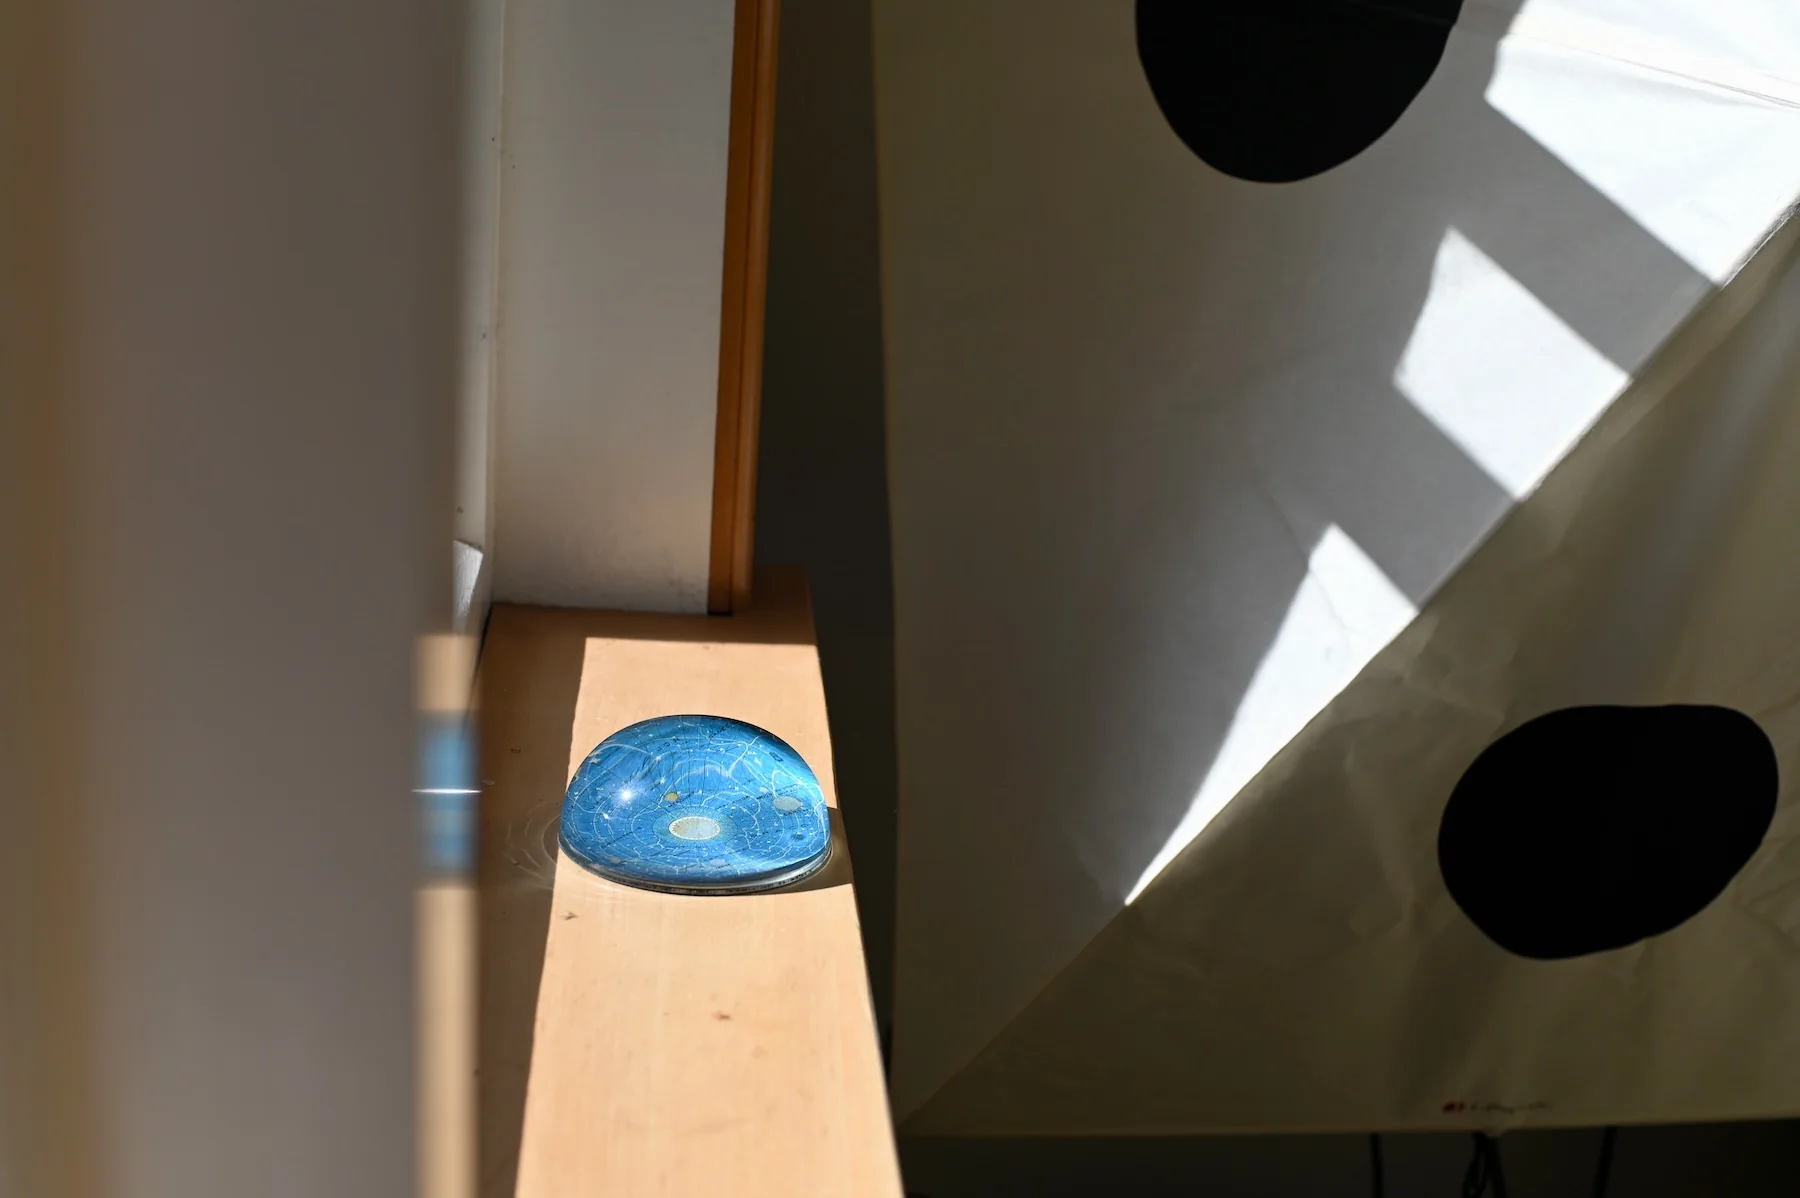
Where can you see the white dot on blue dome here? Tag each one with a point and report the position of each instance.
(695, 827)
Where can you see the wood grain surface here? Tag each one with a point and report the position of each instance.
(636, 1043)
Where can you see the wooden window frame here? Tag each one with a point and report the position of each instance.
(749, 163)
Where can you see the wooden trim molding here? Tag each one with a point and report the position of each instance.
(749, 163)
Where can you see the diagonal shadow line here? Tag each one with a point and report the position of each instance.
(1622, 290)
(1531, 236)
(1406, 521)
(1416, 523)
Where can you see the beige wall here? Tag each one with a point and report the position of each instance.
(228, 459)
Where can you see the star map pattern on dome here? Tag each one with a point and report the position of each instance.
(696, 803)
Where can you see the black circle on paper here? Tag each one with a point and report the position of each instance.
(1278, 90)
(1592, 828)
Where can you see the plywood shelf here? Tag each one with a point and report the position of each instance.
(635, 1043)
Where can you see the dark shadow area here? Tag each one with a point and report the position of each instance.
(1743, 1160)
(822, 482)
(529, 679)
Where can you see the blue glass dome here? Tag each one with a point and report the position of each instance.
(696, 804)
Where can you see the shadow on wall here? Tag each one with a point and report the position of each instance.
(822, 483)
(1157, 400)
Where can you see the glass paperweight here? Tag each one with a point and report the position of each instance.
(696, 804)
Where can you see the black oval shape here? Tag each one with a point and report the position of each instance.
(1592, 828)
(1278, 90)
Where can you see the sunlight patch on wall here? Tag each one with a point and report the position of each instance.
(1499, 373)
(1345, 611)
(1695, 140)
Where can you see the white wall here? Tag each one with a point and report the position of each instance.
(479, 334)
(612, 236)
